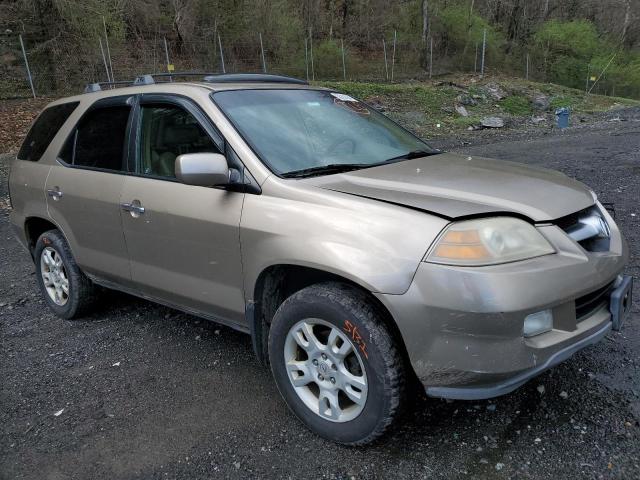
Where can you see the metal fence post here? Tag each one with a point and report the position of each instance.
(106, 40)
(344, 67)
(264, 64)
(386, 66)
(313, 70)
(26, 64)
(484, 47)
(104, 60)
(306, 56)
(166, 54)
(393, 55)
(527, 77)
(221, 54)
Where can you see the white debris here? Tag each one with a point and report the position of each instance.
(499, 466)
(564, 395)
(117, 364)
(58, 413)
(538, 440)
(541, 389)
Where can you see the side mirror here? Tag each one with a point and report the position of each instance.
(203, 169)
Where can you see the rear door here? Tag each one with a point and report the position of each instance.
(183, 240)
(84, 188)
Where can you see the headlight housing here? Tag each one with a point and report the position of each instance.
(488, 241)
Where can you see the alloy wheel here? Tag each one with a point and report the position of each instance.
(326, 370)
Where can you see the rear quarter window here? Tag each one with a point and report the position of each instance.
(44, 129)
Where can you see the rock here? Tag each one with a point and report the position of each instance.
(447, 109)
(492, 122)
(538, 120)
(491, 407)
(466, 100)
(541, 102)
(499, 466)
(462, 111)
(541, 388)
(564, 395)
(494, 91)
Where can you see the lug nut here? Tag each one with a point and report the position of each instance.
(333, 380)
(334, 366)
(315, 362)
(320, 377)
(324, 357)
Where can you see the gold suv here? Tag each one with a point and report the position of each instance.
(358, 258)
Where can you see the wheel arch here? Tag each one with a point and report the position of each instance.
(278, 282)
(35, 226)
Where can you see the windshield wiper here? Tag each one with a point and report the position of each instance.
(326, 169)
(413, 154)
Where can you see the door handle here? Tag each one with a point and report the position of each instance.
(134, 208)
(54, 193)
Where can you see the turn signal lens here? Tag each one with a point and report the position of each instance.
(489, 241)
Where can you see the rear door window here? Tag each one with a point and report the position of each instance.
(99, 140)
(44, 129)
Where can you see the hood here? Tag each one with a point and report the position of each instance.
(456, 186)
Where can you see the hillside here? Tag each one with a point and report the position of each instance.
(431, 109)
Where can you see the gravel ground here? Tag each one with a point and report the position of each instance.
(148, 392)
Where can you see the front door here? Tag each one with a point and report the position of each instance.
(183, 240)
(84, 187)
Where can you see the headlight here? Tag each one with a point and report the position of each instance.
(488, 241)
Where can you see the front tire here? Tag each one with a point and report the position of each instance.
(66, 289)
(336, 363)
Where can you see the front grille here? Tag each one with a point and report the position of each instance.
(589, 303)
(583, 226)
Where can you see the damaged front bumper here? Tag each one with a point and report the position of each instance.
(463, 326)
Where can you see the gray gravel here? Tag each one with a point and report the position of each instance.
(147, 392)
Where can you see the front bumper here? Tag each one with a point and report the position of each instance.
(463, 327)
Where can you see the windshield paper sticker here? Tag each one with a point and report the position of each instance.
(343, 97)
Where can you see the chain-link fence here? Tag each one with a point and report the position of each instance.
(56, 70)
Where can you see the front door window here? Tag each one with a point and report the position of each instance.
(166, 132)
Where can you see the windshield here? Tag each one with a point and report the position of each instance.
(314, 130)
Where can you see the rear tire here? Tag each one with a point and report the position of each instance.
(331, 341)
(67, 290)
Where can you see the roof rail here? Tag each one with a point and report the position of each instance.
(252, 77)
(96, 87)
(149, 79)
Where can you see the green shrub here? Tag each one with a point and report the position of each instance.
(517, 105)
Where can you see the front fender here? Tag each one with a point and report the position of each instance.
(374, 244)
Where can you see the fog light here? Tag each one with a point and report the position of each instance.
(538, 323)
